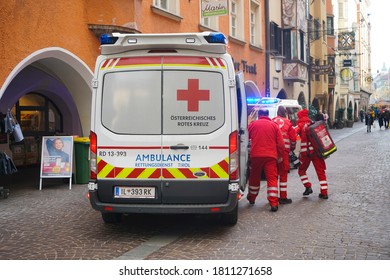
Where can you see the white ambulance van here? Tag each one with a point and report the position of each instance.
(272, 104)
(168, 127)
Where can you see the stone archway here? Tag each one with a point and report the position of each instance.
(282, 94)
(59, 75)
(302, 100)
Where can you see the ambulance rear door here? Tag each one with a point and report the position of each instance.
(243, 128)
(196, 130)
(129, 134)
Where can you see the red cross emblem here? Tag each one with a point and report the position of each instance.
(193, 95)
(279, 122)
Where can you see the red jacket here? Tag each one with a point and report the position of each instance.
(304, 121)
(266, 139)
(288, 133)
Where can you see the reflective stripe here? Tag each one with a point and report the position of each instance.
(304, 179)
(283, 189)
(273, 194)
(287, 143)
(283, 184)
(254, 188)
(272, 189)
(217, 171)
(323, 185)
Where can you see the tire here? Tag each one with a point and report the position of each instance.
(230, 218)
(112, 218)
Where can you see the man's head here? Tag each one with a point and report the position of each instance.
(282, 112)
(304, 113)
(263, 113)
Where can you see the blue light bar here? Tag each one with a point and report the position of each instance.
(216, 38)
(107, 39)
(269, 101)
(252, 101)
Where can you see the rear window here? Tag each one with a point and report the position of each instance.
(131, 102)
(293, 114)
(168, 102)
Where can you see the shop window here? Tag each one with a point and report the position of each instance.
(32, 120)
(37, 115)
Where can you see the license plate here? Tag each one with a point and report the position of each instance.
(135, 192)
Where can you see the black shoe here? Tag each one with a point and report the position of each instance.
(323, 196)
(250, 202)
(285, 200)
(308, 191)
(274, 208)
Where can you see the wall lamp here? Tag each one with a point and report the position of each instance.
(278, 62)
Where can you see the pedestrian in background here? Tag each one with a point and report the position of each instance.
(386, 115)
(326, 117)
(380, 119)
(290, 140)
(369, 120)
(265, 151)
(320, 116)
(308, 155)
(361, 115)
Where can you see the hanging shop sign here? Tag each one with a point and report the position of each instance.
(347, 62)
(346, 41)
(321, 69)
(346, 74)
(214, 8)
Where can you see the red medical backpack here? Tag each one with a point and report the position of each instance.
(320, 139)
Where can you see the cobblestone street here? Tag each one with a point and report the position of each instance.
(353, 224)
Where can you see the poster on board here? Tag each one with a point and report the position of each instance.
(56, 159)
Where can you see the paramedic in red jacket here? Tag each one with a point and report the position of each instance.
(308, 155)
(266, 149)
(289, 139)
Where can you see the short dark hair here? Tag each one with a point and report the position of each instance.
(263, 112)
(282, 112)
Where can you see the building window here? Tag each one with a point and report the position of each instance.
(287, 44)
(276, 38)
(172, 6)
(210, 22)
(317, 27)
(236, 19)
(330, 26)
(302, 45)
(317, 77)
(341, 10)
(255, 19)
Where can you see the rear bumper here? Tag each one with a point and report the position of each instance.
(164, 208)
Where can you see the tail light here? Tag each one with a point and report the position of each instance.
(92, 155)
(233, 156)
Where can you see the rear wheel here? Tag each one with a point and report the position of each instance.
(230, 218)
(112, 218)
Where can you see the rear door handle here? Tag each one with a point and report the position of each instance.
(179, 147)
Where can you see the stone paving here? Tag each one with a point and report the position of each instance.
(354, 223)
